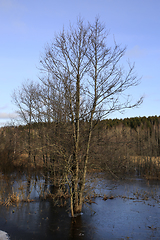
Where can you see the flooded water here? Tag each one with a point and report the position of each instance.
(126, 209)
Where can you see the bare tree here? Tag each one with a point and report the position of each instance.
(87, 76)
(87, 83)
(25, 99)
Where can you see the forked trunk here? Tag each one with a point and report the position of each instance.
(77, 191)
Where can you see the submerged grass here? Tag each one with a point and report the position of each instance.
(13, 198)
(13, 192)
(17, 191)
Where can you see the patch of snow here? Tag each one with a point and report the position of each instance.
(3, 235)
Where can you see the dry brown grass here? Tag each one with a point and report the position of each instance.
(145, 159)
(149, 167)
(10, 195)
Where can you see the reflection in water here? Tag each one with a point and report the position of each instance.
(132, 213)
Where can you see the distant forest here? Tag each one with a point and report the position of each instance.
(118, 146)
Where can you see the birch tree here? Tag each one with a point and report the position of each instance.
(24, 99)
(85, 73)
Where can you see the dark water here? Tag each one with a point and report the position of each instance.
(132, 213)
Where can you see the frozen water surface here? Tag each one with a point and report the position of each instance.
(131, 210)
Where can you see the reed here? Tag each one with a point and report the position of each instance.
(146, 166)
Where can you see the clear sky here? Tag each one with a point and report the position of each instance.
(26, 26)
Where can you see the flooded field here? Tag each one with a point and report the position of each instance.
(121, 209)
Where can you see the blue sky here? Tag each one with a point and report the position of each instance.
(26, 26)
